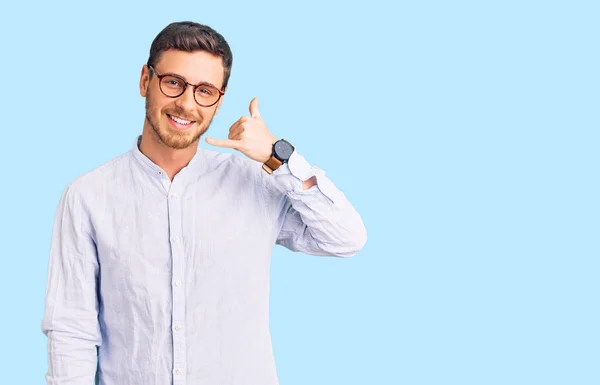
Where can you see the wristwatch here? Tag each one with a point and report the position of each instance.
(282, 150)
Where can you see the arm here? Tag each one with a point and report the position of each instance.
(319, 220)
(71, 311)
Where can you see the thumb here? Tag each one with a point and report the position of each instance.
(254, 112)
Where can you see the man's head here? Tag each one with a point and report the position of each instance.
(198, 55)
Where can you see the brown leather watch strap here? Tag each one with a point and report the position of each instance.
(271, 165)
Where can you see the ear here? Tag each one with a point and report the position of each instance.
(144, 80)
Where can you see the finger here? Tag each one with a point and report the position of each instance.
(235, 126)
(254, 112)
(234, 129)
(236, 132)
(226, 143)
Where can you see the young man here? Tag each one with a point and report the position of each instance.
(159, 264)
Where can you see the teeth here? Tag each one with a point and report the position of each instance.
(179, 120)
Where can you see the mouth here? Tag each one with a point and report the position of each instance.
(180, 123)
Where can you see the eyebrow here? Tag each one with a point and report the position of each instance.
(201, 83)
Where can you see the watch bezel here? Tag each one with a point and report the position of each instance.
(276, 155)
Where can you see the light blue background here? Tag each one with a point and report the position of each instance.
(465, 133)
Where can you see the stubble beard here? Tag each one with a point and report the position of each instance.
(170, 137)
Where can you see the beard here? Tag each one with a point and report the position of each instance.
(170, 137)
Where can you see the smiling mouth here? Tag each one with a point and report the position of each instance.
(179, 122)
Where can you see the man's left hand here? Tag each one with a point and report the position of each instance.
(249, 135)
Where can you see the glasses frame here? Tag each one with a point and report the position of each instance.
(160, 77)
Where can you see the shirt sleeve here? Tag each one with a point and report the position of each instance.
(71, 305)
(319, 220)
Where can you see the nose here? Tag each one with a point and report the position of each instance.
(186, 100)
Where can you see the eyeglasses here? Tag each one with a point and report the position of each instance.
(174, 86)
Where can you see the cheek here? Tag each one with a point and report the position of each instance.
(154, 105)
(207, 114)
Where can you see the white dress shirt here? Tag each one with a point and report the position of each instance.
(156, 282)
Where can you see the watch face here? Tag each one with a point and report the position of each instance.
(283, 150)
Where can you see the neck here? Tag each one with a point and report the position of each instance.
(169, 159)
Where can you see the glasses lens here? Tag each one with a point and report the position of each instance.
(172, 86)
(206, 95)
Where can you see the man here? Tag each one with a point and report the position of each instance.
(159, 264)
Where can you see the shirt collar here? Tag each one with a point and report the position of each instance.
(196, 165)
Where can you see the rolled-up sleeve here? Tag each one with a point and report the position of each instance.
(71, 305)
(319, 220)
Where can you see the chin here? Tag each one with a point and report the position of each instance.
(179, 140)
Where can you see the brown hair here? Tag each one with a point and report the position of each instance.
(189, 36)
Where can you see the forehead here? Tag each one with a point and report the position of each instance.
(195, 67)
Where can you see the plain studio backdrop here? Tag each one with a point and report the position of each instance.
(465, 133)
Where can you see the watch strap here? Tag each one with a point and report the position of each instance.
(272, 164)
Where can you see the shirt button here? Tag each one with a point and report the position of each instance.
(175, 238)
(177, 327)
(177, 283)
(174, 196)
(178, 371)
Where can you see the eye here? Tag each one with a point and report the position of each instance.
(172, 82)
(206, 91)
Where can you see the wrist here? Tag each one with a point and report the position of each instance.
(269, 151)
(281, 152)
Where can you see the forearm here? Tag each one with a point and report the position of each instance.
(320, 220)
(72, 360)
(71, 325)
(309, 182)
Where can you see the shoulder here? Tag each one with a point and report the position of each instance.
(229, 159)
(233, 165)
(241, 173)
(100, 177)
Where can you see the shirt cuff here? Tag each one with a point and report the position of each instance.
(289, 176)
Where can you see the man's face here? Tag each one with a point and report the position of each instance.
(194, 67)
